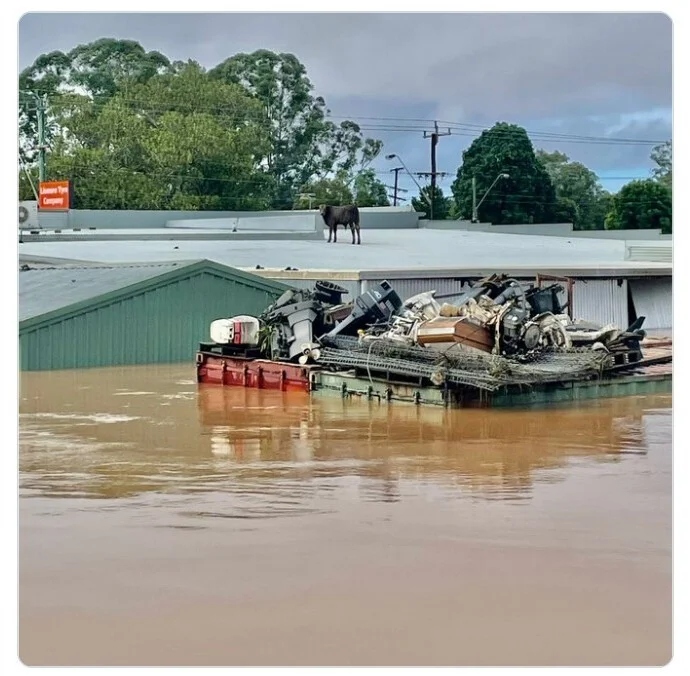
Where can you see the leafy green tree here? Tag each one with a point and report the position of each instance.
(441, 203)
(134, 130)
(578, 191)
(304, 144)
(159, 146)
(526, 196)
(209, 129)
(662, 155)
(639, 205)
(599, 209)
(104, 67)
(566, 210)
(369, 191)
(98, 70)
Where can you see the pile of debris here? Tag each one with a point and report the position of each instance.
(496, 333)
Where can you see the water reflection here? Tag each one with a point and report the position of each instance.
(116, 433)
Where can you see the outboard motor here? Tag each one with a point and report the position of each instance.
(376, 305)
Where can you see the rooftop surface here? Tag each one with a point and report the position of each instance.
(44, 289)
(380, 249)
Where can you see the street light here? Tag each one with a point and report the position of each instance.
(475, 205)
(392, 156)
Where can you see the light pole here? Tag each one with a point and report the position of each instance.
(393, 156)
(475, 205)
(41, 105)
(309, 195)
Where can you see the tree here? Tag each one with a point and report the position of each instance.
(369, 191)
(662, 155)
(97, 70)
(578, 191)
(641, 205)
(526, 196)
(104, 67)
(174, 142)
(304, 144)
(599, 209)
(134, 130)
(440, 202)
(566, 210)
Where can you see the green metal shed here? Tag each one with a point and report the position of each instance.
(150, 313)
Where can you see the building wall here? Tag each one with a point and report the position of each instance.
(653, 299)
(370, 218)
(604, 301)
(547, 229)
(406, 288)
(598, 300)
(160, 325)
(288, 222)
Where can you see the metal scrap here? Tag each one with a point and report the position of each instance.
(498, 333)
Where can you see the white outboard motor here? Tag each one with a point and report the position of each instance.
(241, 330)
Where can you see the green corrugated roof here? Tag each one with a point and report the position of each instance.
(50, 293)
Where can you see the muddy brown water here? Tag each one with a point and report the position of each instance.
(162, 523)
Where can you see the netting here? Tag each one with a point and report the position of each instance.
(461, 367)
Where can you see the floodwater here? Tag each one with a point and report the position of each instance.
(165, 523)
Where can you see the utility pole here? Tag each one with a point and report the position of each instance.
(395, 196)
(28, 178)
(434, 136)
(41, 106)
(475, 219)
(395, 185)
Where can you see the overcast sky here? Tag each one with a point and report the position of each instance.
(601, 75)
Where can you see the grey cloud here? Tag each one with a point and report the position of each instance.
(507, 63)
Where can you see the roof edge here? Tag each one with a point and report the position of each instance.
(67, 311)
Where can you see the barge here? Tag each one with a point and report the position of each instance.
(497, 345)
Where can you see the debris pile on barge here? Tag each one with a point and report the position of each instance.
(496, 337)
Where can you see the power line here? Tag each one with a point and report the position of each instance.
(514, 198)
(403, 125)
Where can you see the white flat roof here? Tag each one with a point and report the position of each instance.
(380, 249)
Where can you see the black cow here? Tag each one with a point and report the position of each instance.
(335, 216)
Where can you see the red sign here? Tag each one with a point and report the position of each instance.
(54, 196)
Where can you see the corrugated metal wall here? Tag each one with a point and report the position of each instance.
(653, 299)
(160, 325)
(598, 300)
(601, 300)
(405, 288)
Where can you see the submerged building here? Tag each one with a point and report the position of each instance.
(77, 316)
(105, 303)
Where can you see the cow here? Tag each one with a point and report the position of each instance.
(334, 216)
